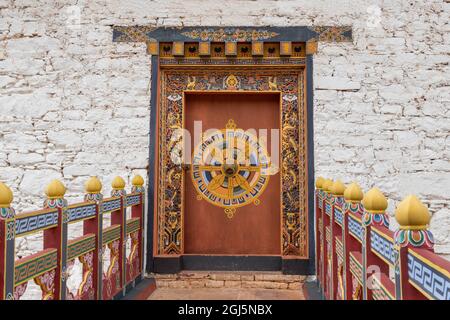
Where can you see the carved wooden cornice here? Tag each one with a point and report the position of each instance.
(202, 41)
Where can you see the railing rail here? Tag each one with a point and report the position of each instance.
(358, 257)
(49, 268)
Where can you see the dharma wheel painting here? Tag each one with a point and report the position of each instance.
(230, 168)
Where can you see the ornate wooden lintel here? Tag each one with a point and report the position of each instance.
(310, 35)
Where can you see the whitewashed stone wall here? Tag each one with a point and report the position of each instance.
(74, 104)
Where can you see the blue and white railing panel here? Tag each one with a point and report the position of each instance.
(328, 208)
(338, 216)
(428, 278)
(320, 199)
(132, 200)
(111, 205)
(355, 228)
(81, 212)
(27, 224)
(382, 247)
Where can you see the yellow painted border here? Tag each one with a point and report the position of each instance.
(341, 244)
(388, 238)
(34, 213)
(132, 195)
(108, 200)
(352, 257)
(421, 290)
(350, 233)
(426, 261)
(325, 208)
(384, 288)
(354, 217)
(55, 225)
(429, 263)
(20, 263)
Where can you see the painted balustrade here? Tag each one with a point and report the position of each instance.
(359, 258)
(50, 267)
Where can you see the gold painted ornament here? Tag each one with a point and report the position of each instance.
(230, 168)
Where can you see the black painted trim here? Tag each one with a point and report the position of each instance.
(231, 263)
(169, 34)
(292, 33)
(295, 266)
(310, 139)
(151, 165)
(167, 264)
(301, 34)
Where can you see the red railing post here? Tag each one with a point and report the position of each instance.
(119, 217)
(57, 237)
(413, 218)
(353, 196)
(337, 192)
(375, 204)
(318, 217)
(93, 189)
(138, 212)
(7, 243)
(326, 276)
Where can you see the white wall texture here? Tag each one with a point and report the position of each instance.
(75, 104)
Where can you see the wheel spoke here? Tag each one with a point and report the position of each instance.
(230, 187)
(243, 182)
(250, 168)
(211, 168)
(216, 182)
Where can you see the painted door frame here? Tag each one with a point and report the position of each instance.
(154, 35)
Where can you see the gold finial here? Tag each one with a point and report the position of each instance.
(93, 185)
(411, 214)
(353, 193)
(374, 201)
(319, 183)
(6, 196)
(337, 188)
(137, 181)
(230, 124)
(118, 183)
(327, 185)
(55, 189)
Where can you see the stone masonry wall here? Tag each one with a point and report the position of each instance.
(75, 104)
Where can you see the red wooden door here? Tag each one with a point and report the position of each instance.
(252, 229)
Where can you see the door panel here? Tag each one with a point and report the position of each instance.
(253, 229)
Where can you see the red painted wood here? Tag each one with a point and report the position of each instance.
(373, 262)
(92, 226)
(2, 258)
(336, 230)
(317, 215)
(351, 245)
(138, 212)
(117, 217)
(325, 223)
(53, 239)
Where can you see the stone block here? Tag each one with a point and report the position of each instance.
(232, 284)
(295, 286)
(247, 277)
(337, 83)
(197, 283)
(178, 284)
(214, 283)
(226, 276)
